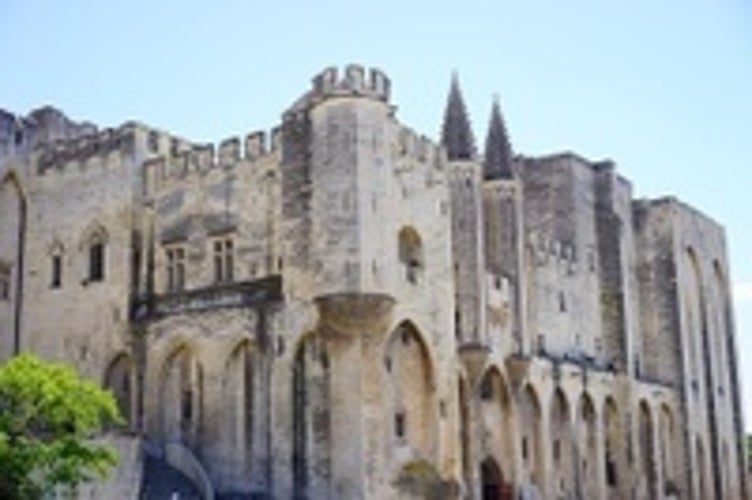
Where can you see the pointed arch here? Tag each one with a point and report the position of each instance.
(667, 433)
(181, 398)
(410, 391)
(562, 444)
(311, 417)
(491, 479)
(498, 421)
(694, 306)
(238, 415)
(588, 445)
(119, 378)
(614, 449)
(647, 463)
(12, 250)
(530, 435)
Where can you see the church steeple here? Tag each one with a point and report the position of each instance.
(456, 134)
(497, 163)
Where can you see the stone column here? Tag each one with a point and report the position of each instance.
(347, 321)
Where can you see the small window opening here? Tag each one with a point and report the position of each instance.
(405, 337)
(457, 324)
(557, 450)
(57, 270)
(610, 472)
(399, 424)
(223, 260)
(4, 283)
(486, 389)
(96, 262)
(411, 253)
(175, 269)
(524, 448)
(153, 142)
(187, 405)
(562, 302)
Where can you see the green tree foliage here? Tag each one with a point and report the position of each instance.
(48, 417)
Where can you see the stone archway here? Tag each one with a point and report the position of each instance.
(667, 441)
(181, 399)
(491, 480)
(238, 412)
(588, 446)
(614, 450)
(498, 437)
(311, 419)
(562, 446)
(412, 411)
(12, 252)
(647, 454)
(119, 379)
(530, 437)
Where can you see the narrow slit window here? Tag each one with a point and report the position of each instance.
(96, 262)
(4, 283)
(399, 424)
(56, 271)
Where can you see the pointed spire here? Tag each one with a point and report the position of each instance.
(456, 134)
(497, 163)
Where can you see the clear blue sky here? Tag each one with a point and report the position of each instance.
(661, 87)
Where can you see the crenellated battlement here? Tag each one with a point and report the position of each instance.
(354, 82)
(200, 159)
(419, 148)
(548, 251)
(80, 150)
(20, 135)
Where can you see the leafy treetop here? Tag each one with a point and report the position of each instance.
(48, 415)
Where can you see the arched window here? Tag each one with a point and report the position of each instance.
(411, 253)
(95, 246)
(56, 265)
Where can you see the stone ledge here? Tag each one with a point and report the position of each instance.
(231, 295)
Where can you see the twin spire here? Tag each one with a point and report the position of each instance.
(458, 139)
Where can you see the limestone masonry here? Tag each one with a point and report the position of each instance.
(342, 308)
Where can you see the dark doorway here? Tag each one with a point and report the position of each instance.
(491, 480)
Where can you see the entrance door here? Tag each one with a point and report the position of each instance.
(491, 481)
